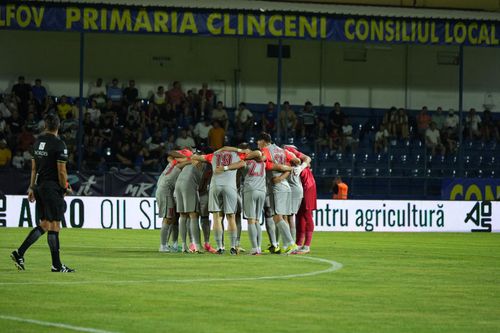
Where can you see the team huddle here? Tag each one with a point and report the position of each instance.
(236, 181)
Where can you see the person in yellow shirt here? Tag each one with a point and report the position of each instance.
(339, 189)
(5, 154)
(216, 136)
(63, 107)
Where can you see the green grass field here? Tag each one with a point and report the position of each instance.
(389, 282)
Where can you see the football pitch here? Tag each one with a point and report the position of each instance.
(351, 282)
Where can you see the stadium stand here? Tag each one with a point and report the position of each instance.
(121, 134)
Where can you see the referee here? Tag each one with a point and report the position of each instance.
(48, 186)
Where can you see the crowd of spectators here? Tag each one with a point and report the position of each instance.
(123, 130)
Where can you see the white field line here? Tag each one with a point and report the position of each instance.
(334, 266)
(50, 324)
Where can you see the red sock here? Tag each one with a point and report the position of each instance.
(300, 226)
(309, 227)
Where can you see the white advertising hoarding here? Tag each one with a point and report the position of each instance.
(331, 215)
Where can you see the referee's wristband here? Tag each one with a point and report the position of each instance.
(226, 168)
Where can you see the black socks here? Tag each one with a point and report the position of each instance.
(32, 237)
(53, 240)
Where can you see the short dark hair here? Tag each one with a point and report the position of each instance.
(264, 136)
(52, 121)
(243, 145)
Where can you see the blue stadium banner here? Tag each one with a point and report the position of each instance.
(120, 19)
(476, 189)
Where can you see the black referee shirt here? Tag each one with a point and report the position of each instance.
(48, 151)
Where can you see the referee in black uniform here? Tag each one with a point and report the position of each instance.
(48, 185)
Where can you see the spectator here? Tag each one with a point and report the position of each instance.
(15, 123)
(194, 102)
(98, 92)
(269, 119)
(336, 117)
(130, 93)
(184, 140)
(347, 140)
(423, 121)
(322, 138)
(39, 95)
(472, 127)
(219, 114)
(158, 103)
(309, 120)
(3, 127)
(115, 93)
(27, 158)
(488, 128)
(143, 160)
(25, 139)
(216, 136)
(201, 131)
(106, 127)
(125, 156)
(381, 138)
(402, 125)
(94, 112)
(18, 160)
(335, 141)
(170, 144)
(390, 121)
(5, 154)
(438, 118)
(288, 120)
(89, 126)
(31, 123)
(433, 140)
(451, 123)
(63, 107)
(155, 143)
(68, 124)
(185, 119)
(135, 110)
(207, 98)
(6, 106)
(176, 96)
(243, 121)
(21, 92)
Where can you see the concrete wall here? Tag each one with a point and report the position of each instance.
(240, 70)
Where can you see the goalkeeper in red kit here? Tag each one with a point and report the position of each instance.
(304, 220)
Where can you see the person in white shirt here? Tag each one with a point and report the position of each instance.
(243, 120)
(472, 121)
(201, 130)
(381, 139)
(98, 92)
(451, 122)
(347, 139)
(94, 111)
(184, 140)
(433, 140)
(18, 160)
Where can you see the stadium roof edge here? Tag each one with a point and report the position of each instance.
(309, 8)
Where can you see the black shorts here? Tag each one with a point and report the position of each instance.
(50, 204)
